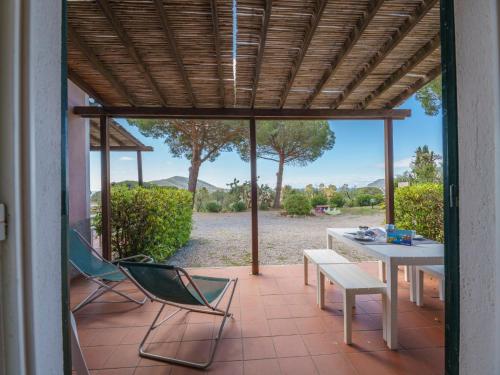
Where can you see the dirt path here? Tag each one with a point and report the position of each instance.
(224, 239)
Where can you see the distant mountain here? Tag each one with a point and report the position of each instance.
(182, 183)
(380, 183)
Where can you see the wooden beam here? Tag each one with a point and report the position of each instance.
(417, 85)
(98, 65)
(389, 172)
(254, 197)
(217, 44)
(416, 59)
(105, 189)
(77, 80)
(123, 148)
(169, 33)
(139, 168)
(122, 34)
(347, 47)
(313, 24)
(385, 50)
(242, 113)
(262, 46)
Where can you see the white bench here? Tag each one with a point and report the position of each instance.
(438, 273)
(320, 256)
(317, 257)
(352, 280)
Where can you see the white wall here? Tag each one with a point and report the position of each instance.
(30, 175)
(78, 157)
(476, 25)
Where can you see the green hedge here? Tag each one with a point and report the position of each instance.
(155, 221)
(297, 204)
(420, 207)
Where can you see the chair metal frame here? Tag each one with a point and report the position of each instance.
(106, 286)
(210, 308)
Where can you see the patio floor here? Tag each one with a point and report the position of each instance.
(277, 329)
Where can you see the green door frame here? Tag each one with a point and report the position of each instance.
(450, 171)
(64, 197)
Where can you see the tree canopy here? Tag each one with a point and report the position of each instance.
(196, 140)
(424, 167)
(289, 142)
(430, 97)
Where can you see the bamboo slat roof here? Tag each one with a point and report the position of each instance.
(318, 54)
(119, 138)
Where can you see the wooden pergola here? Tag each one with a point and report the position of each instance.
(294, 59)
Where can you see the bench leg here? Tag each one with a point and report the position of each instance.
(441, 289)
(321, 290)
(348, 304)
(412, 270)
(329, 244)
(306, 270)
(420, 288)
(381, 271)
(384, 316)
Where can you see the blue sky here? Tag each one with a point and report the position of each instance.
(356, 159)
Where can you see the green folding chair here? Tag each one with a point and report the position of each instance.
(170, 285)
(95, 268)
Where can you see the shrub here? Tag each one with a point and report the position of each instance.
(238, 206)
(154, 221)
(337, 200)
(213, 206)
(369, 200)
(297, 204)
(319, 199)
(420, 207)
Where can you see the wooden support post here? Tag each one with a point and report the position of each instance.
(105, 189)
(389, 171)
(253, 170)
(139, 168)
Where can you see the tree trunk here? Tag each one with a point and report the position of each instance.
(279, 183)
(194, 169)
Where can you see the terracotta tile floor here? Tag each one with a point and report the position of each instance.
(277, 329)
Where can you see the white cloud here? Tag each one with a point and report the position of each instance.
(402, 163)
(126, 158)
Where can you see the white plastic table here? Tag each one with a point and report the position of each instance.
(393, 256)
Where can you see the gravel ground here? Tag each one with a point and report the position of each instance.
(224, 239)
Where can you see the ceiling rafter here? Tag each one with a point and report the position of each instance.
(262, 45)
(77, 40)
(417, 85)
(169, 33)
(313, 24)
(217, 44)
(347, 47)
(409, 65)
(122, 34)
(387, 48)
(84, 86)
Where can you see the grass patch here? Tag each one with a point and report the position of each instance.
(361, 210)
(244, 260)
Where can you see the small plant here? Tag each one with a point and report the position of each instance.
(319, 199)
(369, 200)
(297, 204)
(213, 206)
(337, 200)
(239, 206)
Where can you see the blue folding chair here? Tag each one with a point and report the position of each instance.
(170, 285)
(95, 268)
